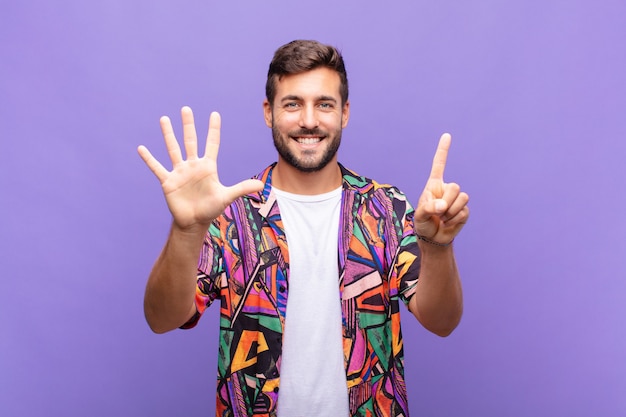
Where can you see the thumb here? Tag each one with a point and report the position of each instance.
(428, 206)
(243, 188)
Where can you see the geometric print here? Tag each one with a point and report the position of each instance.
(245, 263)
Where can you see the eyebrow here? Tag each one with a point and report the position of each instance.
(299, 98)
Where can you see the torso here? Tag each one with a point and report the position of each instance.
(313, 380)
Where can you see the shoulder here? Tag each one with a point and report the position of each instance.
(368, 187)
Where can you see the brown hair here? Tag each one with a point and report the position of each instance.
(300, 56)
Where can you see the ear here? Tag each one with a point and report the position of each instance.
(345, 114)
(267, 112)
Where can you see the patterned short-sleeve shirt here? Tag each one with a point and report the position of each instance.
(245, 263)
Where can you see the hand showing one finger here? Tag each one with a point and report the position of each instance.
(442, 209)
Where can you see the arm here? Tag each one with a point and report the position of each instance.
(440, 215)
(171, 287)
(438, 299)
(195, 197)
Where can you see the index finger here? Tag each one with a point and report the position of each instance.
(173, 149)
(441, 155)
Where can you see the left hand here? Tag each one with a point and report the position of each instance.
(442, 209)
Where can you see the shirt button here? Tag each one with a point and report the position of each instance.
(282, 288)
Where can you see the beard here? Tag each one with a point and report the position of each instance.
(308, 162)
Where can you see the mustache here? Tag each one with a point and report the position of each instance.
(308, 132)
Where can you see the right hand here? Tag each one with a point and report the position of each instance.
(192, 190)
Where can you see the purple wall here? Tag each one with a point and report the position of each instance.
(534, 93)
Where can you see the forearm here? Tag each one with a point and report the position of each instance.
(438, 301)
(171, 287)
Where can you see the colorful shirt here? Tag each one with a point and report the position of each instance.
(245, 263)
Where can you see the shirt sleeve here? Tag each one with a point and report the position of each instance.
(209, 273)
(409, 256)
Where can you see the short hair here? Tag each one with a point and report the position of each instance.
(300, 56)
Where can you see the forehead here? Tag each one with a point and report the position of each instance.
(318, 82)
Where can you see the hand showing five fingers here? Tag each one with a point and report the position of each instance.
(192, 188)
(442, 209)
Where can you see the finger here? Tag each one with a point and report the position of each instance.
(189, 133)
(441, 156)
(429, 206)
(155, 166)
(450, 193)
(243, 188)
(458, 220)
(171, 143)
(455, 207)
(213, 137)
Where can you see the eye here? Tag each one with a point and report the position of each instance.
(291, 105)
(326, 106)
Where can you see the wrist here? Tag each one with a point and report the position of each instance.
(193, 232)
(433, 242)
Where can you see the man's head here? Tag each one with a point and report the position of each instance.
(300, 56)
(307, 104)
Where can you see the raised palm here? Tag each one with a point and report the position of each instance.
(192, 189)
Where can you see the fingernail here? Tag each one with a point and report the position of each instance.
(440, 205)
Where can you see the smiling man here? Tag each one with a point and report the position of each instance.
(307, 110)
(308, 259)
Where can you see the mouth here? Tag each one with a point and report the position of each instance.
(308, 137)
(307, 140)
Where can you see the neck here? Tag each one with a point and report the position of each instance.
(287, 178)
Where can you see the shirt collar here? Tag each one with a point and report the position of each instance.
(350, 182)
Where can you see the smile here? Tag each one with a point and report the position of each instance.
(308, 141)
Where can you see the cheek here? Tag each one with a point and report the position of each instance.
(285, 120)
(333, 121)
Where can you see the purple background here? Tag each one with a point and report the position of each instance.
(534, 93)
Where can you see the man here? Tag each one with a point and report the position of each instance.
(309, 260)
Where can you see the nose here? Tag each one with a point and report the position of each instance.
(308, 118)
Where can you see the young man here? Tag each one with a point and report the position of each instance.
(309, 260)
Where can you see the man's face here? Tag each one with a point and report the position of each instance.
(306, 118)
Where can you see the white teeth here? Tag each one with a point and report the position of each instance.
(308, 141)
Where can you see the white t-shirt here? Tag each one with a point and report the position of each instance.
(312, 374)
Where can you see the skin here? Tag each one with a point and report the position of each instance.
(306, 118)
(195, 197)
(440, 215)
(308, 101)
